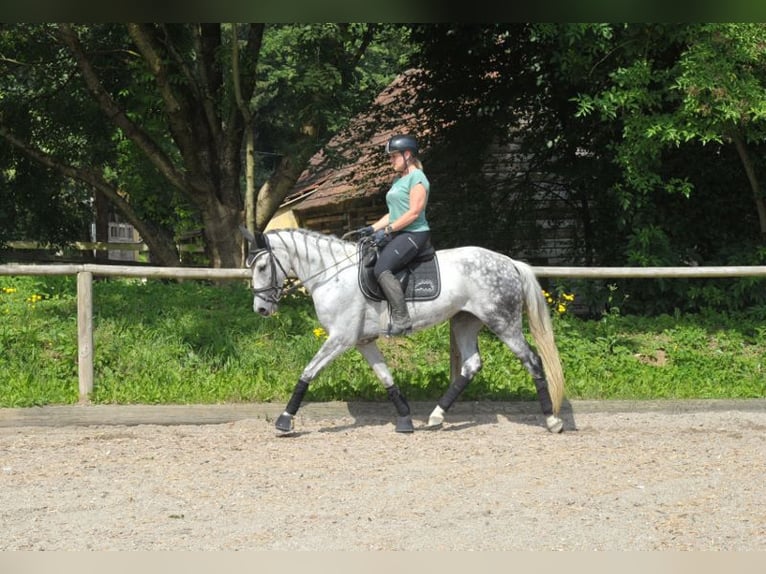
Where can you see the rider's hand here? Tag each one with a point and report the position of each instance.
(379, 236)
(365, 231)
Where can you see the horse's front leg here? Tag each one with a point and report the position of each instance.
(331, 349)
(375, 358)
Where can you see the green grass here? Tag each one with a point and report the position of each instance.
(192, 342)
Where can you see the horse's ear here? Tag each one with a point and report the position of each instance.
(247, 235)
(257, 241)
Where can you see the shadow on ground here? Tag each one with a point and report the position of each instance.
(462, 415)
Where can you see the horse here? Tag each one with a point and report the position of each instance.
(479, 287)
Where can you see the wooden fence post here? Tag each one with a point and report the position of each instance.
(85, 333)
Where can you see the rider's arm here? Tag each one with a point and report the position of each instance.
(380, 223)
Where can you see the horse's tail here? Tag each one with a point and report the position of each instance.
(542, 331)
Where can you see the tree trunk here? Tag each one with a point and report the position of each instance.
(222, 238)
(102, 224)
(249, 135)
(760, 203)
(272, 192)
(249, 178)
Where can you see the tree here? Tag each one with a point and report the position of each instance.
(656, 130)
(713, 92)
(37, 203)
(176, 118)
(513, 84)
(630, 116)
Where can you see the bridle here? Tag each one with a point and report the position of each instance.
(278, 290)
(289, 284)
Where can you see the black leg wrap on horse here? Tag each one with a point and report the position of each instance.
(298, 393)
(453, 392)
(284, 423)
(402, 407)
(544, 396)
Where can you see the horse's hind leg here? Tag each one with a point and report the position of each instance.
(515, 341)
(464, 335)
(375, 358)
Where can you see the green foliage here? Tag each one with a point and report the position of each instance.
(178, 165)
(311, 74)
(637, 120)
(665, 357)
(675, 85)
(42, 104)
(38, 341)
(722, 81)
(192, 342)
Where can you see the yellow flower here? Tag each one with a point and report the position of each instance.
(9, 290)
(558, 303)
(319, 333)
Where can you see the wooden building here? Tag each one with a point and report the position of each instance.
(526, 215)
(345, 184)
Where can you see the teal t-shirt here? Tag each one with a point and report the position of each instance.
(398, 199)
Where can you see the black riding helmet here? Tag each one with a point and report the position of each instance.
(402, 143)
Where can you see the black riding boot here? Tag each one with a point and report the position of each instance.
(401, 324)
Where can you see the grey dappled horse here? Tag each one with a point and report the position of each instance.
(479, 287)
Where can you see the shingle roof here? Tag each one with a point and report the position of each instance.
(353, 165)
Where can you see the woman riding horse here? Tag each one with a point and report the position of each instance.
(403, 232)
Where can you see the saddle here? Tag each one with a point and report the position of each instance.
(420, 278)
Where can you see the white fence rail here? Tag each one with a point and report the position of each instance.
(85, 273)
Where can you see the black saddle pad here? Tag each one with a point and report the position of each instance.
(420, 279)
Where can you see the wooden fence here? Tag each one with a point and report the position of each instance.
(77, 251)
(85, 273)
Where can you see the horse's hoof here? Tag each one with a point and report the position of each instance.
(436, 418)
(285, 423)
(404, 424)
(554, 424)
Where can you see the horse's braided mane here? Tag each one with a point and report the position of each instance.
(333, 240)
(309, 233)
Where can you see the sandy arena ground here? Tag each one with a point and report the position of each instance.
(622, 476)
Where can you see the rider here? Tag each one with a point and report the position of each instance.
(402, 232)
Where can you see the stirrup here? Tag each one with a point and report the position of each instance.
(396, 331)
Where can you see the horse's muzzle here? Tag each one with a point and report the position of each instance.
(264, 308)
